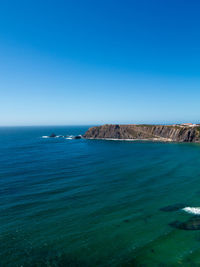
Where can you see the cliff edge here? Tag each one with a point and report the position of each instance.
(176, 133)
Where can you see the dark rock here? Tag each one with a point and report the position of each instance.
(126, 220)
(77, 137)
(192, 224)
(52, 135)
(174, 207)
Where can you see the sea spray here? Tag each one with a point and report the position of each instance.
(192, 210)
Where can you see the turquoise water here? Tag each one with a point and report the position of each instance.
(94, 202)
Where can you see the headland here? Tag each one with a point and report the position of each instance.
(186, 132)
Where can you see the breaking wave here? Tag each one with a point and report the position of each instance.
(192, 210)
(69, 137)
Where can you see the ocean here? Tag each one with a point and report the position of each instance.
(66, 202)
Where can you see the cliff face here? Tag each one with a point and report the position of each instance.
(176, 133)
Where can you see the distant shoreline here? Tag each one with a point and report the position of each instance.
(186, 132)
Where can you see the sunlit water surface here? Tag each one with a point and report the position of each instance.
(93, 202)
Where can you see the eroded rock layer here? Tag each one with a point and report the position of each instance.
(176, 133)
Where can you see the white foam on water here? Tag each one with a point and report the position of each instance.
(57, 136)
(133, 140)
(69, 137)
(60, 136)
(117, 139)
(192, 210)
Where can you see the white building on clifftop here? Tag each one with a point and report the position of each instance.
(188, 124)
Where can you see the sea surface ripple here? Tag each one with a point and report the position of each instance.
(67, 202)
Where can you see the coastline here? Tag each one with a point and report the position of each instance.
(136, 132)
(133, 140)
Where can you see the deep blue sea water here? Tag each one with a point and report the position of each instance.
(94, 202)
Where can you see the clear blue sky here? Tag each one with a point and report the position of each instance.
(93, 62)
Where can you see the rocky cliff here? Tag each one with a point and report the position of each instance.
(176, 133)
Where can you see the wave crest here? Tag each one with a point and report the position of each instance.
(192, 210)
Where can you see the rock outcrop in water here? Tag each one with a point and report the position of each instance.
(192, 224)
(52, 135)
(176, 133)
(174, 207)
